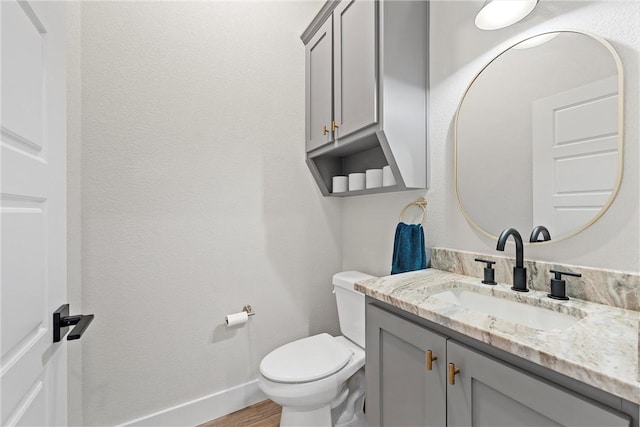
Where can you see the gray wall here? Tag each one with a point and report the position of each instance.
(458, 51)
(195, 200)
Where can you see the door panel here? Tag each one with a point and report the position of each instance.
(490, 393)
(355, 91)
(22, 75)
(33, 212)
(319, 63)
(575, 152)
(402, 379)
(494, 409)
(400, 389)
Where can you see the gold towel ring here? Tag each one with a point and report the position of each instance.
(422, 204)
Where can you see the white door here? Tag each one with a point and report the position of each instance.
(575, 155)
(32, 212)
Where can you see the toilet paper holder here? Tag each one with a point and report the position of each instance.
(238, 319)
(247, 309)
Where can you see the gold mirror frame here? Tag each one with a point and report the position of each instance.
(618, 180)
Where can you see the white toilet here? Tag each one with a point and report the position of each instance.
(319, 380)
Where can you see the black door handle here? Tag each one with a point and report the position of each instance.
(62, 321)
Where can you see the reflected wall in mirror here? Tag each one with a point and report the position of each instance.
(538, 136)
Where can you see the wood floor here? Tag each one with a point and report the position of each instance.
(262, 414)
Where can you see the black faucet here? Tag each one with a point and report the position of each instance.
(519, 272)
(537, 231)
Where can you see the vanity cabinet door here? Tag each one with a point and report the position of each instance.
(355, 89)
(319, 102)
(490, 393)
(401, 391)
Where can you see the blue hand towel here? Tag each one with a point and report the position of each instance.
(409, 252)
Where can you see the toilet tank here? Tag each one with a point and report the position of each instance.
(350, 305)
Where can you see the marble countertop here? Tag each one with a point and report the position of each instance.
(601, 349)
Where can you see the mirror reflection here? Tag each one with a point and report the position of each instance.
(538, 136)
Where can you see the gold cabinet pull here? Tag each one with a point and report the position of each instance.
(334, 125)
(452, 373)
(325, 130)
(430, 359)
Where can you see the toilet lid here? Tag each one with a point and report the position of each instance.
(304, 360)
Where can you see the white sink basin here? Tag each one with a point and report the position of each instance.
(515, 312)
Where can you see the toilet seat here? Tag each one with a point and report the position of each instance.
(305, 360)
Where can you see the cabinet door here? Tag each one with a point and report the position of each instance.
(489, 393)
(318, 69)
(400, 389)
(355, 90)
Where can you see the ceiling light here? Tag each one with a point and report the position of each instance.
(496, 14)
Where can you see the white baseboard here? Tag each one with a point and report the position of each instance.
(204, 409)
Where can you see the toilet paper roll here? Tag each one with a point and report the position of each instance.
(340, 184)
(387, 177)
(373, 178)
(236, 318)
(356, 181)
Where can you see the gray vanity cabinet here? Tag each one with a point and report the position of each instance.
(401, 391)
(488, 392)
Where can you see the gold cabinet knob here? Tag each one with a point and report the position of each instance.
(334, 125)
(325, 130)
(452, 373)
(430, 359)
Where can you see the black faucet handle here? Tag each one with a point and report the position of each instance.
(489, 272)
(559, 285)
(486, 261)
(559, 274)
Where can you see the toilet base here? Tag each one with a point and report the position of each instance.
(321, 417)
(316, 417)
(345, 411)
(358, 420)
(324, 416)
(350, 413)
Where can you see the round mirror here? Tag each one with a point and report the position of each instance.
(538, 136)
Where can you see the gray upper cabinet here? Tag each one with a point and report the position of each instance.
(319, 69)
(354, 74)
(366, 91)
